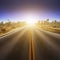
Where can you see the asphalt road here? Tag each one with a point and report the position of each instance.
(26, 44)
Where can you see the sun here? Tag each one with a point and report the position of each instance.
(30, 22)
(30, 19)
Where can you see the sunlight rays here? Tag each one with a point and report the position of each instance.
(10, 45)
(11, 32)
(31, 30)
(47, 40)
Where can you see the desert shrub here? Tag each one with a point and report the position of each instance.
(3, 30)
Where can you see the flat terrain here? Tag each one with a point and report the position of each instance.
(16, 45)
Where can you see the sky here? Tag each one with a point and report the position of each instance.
(17, 10)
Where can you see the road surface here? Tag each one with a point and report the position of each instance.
(16, 45)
